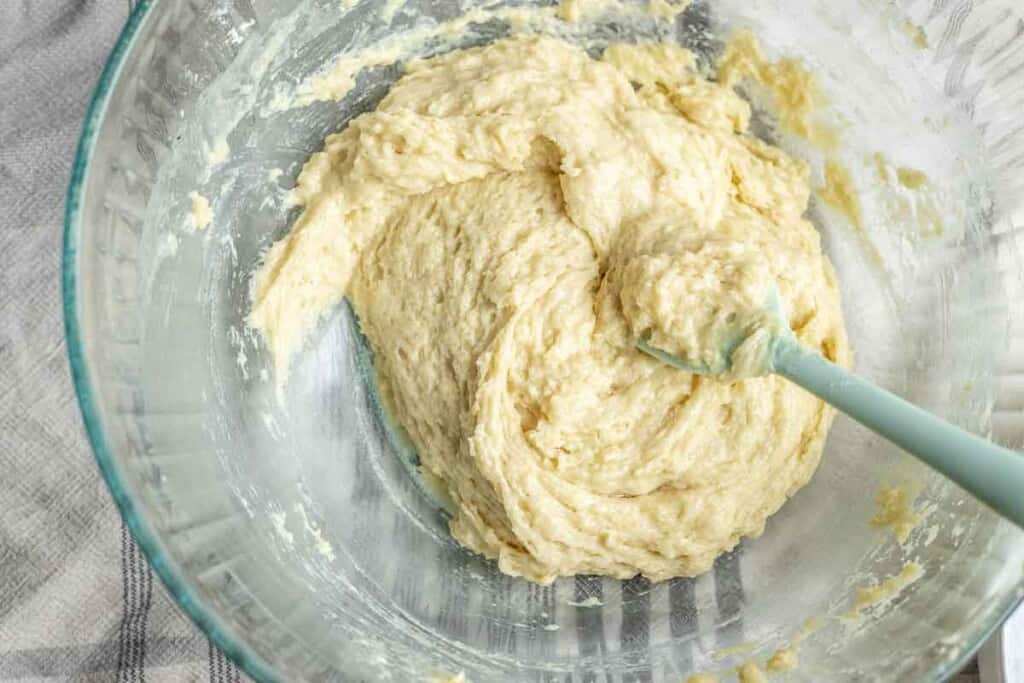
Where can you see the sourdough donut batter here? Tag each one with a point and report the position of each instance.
(506, 224)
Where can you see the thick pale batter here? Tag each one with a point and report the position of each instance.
(506, 224)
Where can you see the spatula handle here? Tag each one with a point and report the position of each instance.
(993, 474)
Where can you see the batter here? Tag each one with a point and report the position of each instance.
(506, 224)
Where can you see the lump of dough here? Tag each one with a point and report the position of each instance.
(701, 304)
(505, 224)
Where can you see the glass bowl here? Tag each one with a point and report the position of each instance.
(291, 531)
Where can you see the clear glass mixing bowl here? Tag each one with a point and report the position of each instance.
(295, 537)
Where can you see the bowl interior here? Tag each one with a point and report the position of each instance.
(293, 528)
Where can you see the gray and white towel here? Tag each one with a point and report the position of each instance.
(77, 599)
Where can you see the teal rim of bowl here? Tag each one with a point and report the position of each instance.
(183, 591)
(159, 558)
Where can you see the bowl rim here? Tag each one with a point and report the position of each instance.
(160, 559)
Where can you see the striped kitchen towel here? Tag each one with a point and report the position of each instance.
(77, 599)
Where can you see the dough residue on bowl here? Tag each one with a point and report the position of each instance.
(895, 512)
(507, 223)
(201, 214)
(702, 678)
(881, 593)
(750, 672)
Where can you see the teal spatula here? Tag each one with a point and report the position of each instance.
(993, 474)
